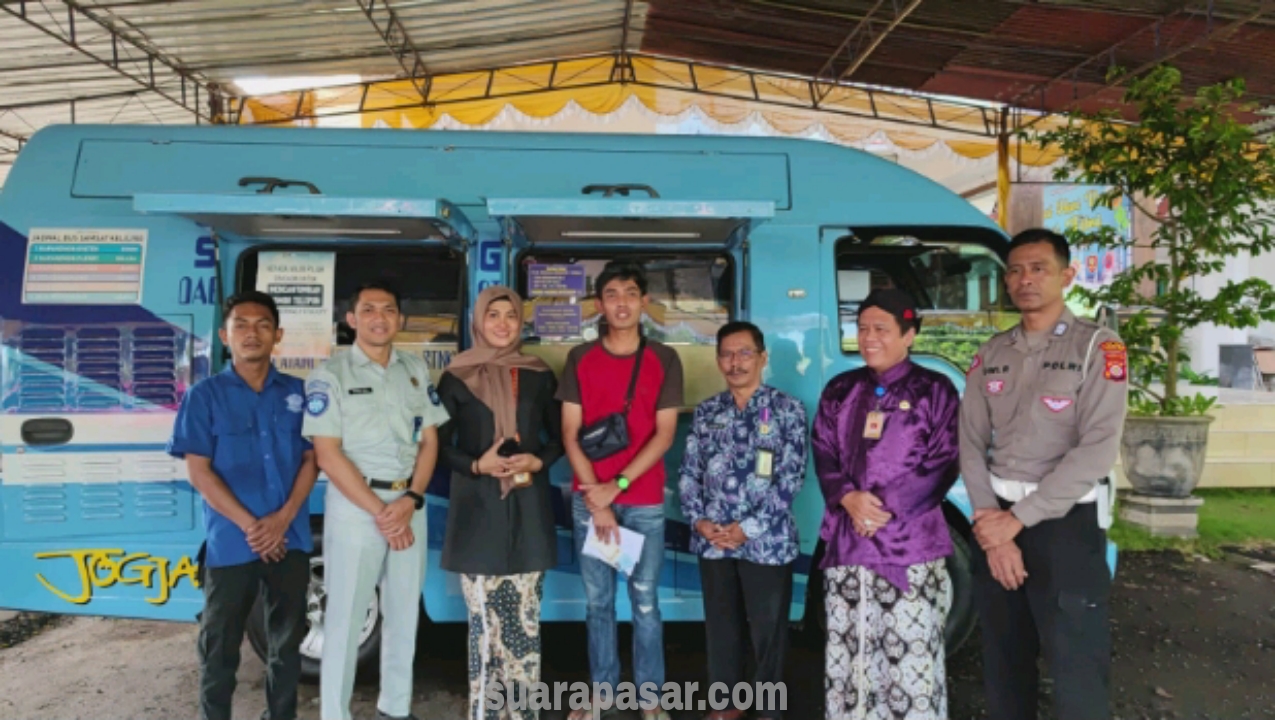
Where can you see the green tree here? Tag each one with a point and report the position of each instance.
(1219, 184)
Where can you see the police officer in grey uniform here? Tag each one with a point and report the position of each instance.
(373, 415)
(1041, 419)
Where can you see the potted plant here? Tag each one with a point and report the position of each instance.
(1218, 183)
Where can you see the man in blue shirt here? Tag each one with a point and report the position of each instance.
(745, 461)
(240, 434)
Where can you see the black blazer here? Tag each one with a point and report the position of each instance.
(487, 535)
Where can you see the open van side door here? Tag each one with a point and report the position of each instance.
(279, 217)
(242, 222)
(596, 227)
(621, 222)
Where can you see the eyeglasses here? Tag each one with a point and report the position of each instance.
(743, 355)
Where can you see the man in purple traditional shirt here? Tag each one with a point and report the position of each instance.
(886, 452)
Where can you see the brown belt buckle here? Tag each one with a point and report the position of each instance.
(398, 485)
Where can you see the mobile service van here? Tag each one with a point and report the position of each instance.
(117, 244)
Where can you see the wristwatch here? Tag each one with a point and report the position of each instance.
(622, 482)
(416, 497)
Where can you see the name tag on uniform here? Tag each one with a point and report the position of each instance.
(417, 423)
(360, 391)
(765, 464)
(875, 424)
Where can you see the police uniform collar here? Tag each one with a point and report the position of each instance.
(1065, 323)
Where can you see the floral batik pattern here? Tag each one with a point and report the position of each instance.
(504, 640)
(719, 479)
(885, 654)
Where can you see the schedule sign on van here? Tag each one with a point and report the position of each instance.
(67, 266)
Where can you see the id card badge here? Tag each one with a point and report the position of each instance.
(417, 423)
(875, 424)
(765, 464)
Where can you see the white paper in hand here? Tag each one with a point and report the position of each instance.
(623, 557)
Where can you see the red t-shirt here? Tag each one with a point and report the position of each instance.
(598, 381)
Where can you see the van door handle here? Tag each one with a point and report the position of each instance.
(47, 431)
(623, 190)
(272, 182)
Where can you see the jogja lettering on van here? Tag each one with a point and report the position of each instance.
(104, 567)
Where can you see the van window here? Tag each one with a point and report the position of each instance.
(692, 296)
(430, 281)
(959, 287)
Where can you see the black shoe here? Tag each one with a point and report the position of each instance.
(382, 716)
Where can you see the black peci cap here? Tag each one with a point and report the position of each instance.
(896, 302)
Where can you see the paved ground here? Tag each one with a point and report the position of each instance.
(1195, 640)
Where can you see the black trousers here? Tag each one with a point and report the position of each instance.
(229, 594)
(1062, 610)
(743, 601)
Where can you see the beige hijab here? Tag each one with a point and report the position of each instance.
(486, 370)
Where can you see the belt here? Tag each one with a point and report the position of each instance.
(1015, 490)
(395, 485)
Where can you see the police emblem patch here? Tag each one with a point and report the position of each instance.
(295, 403)
(978, 360)
(1056, 404)
(316, 403)
(1116, 361)
(433, 396)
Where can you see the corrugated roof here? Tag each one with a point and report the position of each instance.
(147, 61)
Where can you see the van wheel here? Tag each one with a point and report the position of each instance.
(316, 605)
(961, 618)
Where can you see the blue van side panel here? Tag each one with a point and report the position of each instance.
(99, 526)
(86, 177)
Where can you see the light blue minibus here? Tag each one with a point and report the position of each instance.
(117, 244)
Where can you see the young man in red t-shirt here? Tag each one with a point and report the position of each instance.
(625, 489)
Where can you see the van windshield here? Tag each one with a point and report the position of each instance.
(959, 287)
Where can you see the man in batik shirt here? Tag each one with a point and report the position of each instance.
(745, 462)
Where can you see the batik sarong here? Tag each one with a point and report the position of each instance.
(885, 649)
(504, 641)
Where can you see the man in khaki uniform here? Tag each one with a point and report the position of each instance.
(373, 416)
(1041, 419)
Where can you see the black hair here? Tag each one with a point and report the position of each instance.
(739, 326)
(620, 270)
(1042, 235)
(376, 285)
(254, 297)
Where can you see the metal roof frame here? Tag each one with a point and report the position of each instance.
(129, 57)
(865, 43)
(398, 41)
(172, 61)
(633, 66)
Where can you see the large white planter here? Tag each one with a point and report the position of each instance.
(1164, 456)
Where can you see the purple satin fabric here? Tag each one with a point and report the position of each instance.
(910, 468)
